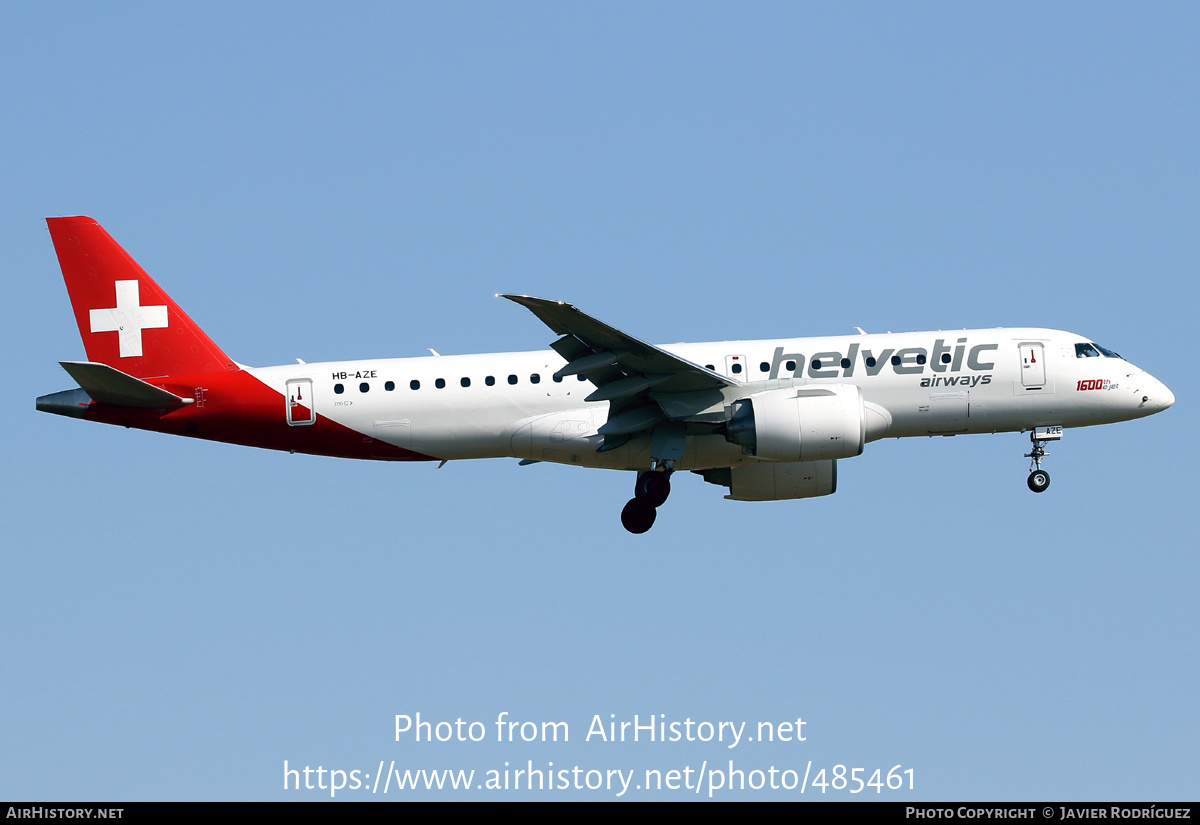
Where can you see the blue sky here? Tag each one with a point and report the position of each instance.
(179, 618)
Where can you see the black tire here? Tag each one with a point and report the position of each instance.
(1039, 480)
(653, 488)
(638, 516)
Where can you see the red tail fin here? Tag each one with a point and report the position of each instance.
(124, 317)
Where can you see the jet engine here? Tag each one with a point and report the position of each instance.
(800, 423)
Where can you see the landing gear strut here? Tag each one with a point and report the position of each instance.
(1039, 479)
(650, 492)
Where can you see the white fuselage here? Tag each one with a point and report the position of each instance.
(913, 384)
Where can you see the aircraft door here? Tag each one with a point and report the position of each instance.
(1033, 365)
(300, 408)
(948, 411)
(737, 368)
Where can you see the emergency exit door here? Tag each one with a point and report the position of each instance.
(300, 409)
(1033, 365)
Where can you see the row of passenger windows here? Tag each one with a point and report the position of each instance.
(736, 369)
(440, 383)
(817, 363)
(1081, 351)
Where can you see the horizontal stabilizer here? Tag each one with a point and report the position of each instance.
(107, 385)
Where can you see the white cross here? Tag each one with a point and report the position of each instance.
(128, 318)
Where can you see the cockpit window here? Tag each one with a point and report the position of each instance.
(1106, 352)
(1086, 351)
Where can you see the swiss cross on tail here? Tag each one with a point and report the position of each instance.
(110, 293)
(128, 318)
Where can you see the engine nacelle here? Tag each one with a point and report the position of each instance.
(776, 480)
(800, 423)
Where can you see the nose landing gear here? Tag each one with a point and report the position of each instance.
(1039, 479)
(650, 492)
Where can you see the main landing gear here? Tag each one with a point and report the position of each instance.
(1039, 479)
(650, 492)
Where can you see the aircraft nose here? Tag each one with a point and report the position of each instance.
(1159, 397)
(1168, 397)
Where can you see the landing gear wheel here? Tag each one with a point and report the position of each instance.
(1039, 480)
(638, 515)
(653, 487)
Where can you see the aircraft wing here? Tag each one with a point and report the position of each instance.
(633, 376)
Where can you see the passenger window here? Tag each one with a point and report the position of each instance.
(339, 389)
(364, 386)
(895, 360)
(920, 358)
(440, 383)
(945, 358)
(414, 385)
(764, 367)
(512, 379)
(870, 361)
(389, 386)
(558, 379)
(580, 377)
(845, 363)
(737, 368)
(466, 382)
(490, 380)
(791, 365)
(709, 367)
(533, 379)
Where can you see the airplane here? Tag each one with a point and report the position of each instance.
(768, 420)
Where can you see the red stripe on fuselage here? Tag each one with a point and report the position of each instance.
(237, 408)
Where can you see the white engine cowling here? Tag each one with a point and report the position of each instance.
(776, 480)
(800, 424)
